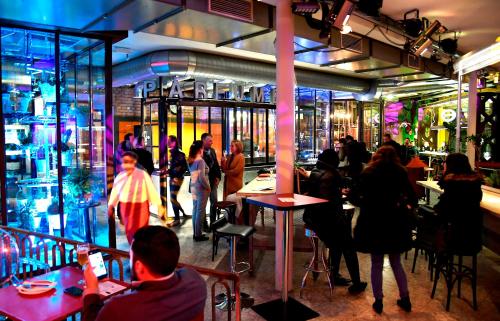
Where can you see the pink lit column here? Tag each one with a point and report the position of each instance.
(285, 129)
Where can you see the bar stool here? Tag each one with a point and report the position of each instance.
(317, 258)
(222, 228)
(230, 209)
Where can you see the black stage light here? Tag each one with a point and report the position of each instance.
(414, 26)
(305, 8)
(370, 7)
(449, 46)
(343, 14)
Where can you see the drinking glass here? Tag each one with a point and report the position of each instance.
(82, 256)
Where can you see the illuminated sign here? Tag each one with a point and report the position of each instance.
(448, 115)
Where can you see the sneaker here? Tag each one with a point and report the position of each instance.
(405, 304)
(186, 216)
(201, 238)
(340, 280)
(357, 287)
(174, 223)
(378, 306)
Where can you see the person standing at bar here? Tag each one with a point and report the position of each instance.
(329, 221)
(134, 190)
(233, 168)
(200, 188)
(145, 158)
(125, 146)
(176, 170)
(214, 175)
(385, 197)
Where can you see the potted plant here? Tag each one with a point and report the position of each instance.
(83, 185)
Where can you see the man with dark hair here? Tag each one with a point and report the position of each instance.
(124, 146)
(161, 293)
(144, 157)
(133, 189)
(388, 141)
(214, 173)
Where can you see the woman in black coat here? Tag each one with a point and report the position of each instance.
(459, 206)
(328, 220)
(385, 196)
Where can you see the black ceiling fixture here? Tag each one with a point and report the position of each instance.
(370, 7)
(305, 8)
(414, 26)
(449, 45)
(334, 15)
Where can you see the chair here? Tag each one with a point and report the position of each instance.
(230, 209)
(459, 239)
(317, 258)
(428, 226)
(221, 228)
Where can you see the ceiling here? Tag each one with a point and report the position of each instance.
(477, 21)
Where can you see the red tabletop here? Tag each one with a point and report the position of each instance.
(273, 201)
(53, 305)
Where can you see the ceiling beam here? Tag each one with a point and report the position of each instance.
(376, 69)
(342, 61)
(164, 16)
(244, 37)
(106, 15)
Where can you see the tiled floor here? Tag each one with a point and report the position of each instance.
(342, 305)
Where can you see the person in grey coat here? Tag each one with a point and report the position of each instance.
(200, 188)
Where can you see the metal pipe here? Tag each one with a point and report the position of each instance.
(190, 64)
(459, 113)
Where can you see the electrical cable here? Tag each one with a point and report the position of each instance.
(387, 37)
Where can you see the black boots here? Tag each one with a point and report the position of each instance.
(378, 306)
(405, 304)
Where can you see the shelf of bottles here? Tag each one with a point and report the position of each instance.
(35, 174)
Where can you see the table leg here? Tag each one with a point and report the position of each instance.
(245, 211)
(284, 284)
(427, 196)
(86, 218)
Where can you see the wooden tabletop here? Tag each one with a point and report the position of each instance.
(53, 305)
(259, 186)
(280, 201)
(490, 201)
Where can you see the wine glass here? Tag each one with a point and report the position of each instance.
(82, 256)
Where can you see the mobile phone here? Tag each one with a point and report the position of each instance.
(97, 262)
(73, 291)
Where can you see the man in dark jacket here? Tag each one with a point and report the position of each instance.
(214, 174)
(329, 221)
(162, 293)
(388, 141)
(144, 157)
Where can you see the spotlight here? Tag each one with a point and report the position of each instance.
(370, 7)
(346, 29)
(449, 46)
(343, 13)
(424, 41)
(305, 8)
(413, 26)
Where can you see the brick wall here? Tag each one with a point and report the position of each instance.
(124, 105)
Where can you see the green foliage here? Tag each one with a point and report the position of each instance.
(82, 181)
(25, 216)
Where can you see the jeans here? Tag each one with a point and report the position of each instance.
(175, 185)
(397, 269)
(213, 201)
(200, 198)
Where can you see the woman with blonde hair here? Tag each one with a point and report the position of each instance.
(233, 168)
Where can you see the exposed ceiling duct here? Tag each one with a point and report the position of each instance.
(190, 64)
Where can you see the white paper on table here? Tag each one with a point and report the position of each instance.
(286, 199)
(109, 287)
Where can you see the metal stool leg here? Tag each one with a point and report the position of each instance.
(327, 271)
(309, 267)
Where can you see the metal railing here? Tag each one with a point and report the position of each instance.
(56, 252)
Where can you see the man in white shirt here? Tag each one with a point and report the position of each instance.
(134, 190)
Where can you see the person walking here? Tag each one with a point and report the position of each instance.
(200, 188)
(176, 170)
(233, 168)
(329, 221)
(214, 174)
(385, 197)
(134, 190)
(144, 157)
(124, 146)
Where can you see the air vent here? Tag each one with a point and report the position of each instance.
(351, 42)
(236, 9)
(413, 61)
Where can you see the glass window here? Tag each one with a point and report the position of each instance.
(305, 132)
(187, 128)
(259, 135)
(243, 130)
(322, 120)
(271, 123)
(201, 121)
(371, 122)
(216, 129)
(29, 110)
